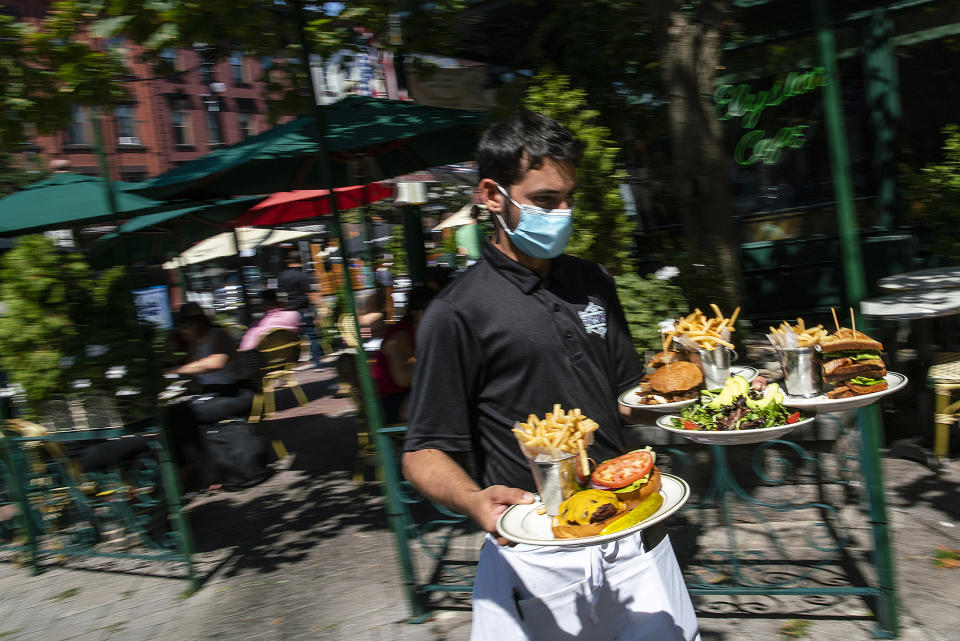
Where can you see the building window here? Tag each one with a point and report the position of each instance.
(246, 108)
(206, 74)
(80, 131)
(180, 121)
(126, 122)
(237, 71)
(214, 133)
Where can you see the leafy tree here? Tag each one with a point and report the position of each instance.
(61, 324)
(601, 230)
(933, 195)
(45, 293)
(646, 301)
(690, 36)
(15, 175)
(45, 70)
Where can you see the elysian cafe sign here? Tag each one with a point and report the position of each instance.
(740, 101)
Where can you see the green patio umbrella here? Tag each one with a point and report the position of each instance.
(366, 139)
(66, 200)
(165, 234)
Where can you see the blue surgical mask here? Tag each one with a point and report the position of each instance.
(541, 233)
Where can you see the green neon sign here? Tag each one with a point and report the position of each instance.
(740, 101)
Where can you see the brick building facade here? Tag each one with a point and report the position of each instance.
(167, 120)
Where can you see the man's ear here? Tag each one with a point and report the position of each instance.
(490, 196)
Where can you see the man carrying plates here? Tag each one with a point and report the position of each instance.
(523, 329)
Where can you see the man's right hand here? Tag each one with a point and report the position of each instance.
(488, 504)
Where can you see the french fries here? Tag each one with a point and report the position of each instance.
(806, 336)
(704, 332)
(558, 431)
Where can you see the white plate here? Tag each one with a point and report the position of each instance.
(895, 382)
(732, 437)
(627, 398)
(522, 524)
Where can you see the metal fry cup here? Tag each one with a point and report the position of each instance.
(556, 480)
(715, 365)
(801, 370)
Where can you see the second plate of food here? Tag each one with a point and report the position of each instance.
(895, 382)
(729, 437)
(633, 396)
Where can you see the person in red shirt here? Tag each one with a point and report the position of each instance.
(393, 367)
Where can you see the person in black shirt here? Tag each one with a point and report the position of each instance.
(298, 287)
(524, 328)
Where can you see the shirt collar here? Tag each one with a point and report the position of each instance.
(523, 277)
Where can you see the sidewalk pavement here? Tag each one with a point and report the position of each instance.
(302, 556)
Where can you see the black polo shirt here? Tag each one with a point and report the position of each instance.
(501, 343)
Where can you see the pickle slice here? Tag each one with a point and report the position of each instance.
(645, 510)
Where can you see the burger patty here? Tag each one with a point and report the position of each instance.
(603, 513)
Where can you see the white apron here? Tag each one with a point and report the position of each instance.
(615, 591)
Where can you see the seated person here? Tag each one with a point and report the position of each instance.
(276, 315)
(393, 368)
(212, 363)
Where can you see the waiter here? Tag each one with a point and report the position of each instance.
(523, 329)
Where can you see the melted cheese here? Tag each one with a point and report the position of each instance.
(581, 506)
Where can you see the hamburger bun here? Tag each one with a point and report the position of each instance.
(636, 495)
(675, 377)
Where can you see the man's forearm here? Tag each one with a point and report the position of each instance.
(440, 479)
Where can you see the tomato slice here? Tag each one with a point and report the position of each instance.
(793, 418)
(623, 470)
(690, 425)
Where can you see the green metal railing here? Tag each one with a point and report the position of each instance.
(50, 509)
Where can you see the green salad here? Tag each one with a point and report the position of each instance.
(737, 407)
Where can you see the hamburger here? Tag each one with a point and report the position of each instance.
(851, 364)
(616, 487)
(675, 381)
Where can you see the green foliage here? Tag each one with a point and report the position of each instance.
(45, 69)
(933, 195)
(14, 175)
(795, 628)
(602, 232)
(646, 301)
(56, 310)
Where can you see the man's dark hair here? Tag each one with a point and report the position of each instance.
(526, 133)
(292, 257)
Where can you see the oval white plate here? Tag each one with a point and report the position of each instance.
(627, 398)
(522, 524)
(732, 437)
(895, 382)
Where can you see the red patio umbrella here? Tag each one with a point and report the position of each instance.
(289, 206)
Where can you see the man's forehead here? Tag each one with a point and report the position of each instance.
(548, 168)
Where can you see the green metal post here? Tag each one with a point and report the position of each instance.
(172, 492)
(871, 425)
(871, 438)
(371, 402)
(840, 159)
(883, 101)
(18, 490)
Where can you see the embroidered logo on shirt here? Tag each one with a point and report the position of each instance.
(594, 319)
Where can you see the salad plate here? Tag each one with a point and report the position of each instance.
(631, 397)
(523, 523)
(895, 382)
(729, 437)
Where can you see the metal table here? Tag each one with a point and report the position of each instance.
(922, 280)
(920, 306)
